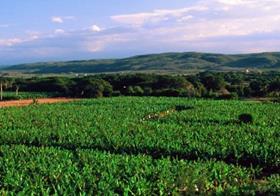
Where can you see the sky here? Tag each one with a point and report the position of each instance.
(54, 30)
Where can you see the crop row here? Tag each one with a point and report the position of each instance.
(206, 130)
(26, 170)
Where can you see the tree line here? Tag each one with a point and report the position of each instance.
(207, 85)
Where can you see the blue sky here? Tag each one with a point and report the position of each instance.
(52, 30)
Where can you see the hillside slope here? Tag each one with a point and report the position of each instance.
(165, 62)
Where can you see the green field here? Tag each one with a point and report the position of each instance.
(140, 146)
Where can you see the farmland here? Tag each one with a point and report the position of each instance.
(142, 146)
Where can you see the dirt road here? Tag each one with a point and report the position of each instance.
(20, 103)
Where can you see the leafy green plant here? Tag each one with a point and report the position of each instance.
(96, 146)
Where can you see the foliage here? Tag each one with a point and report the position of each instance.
(206, 84)
(8, 95)
(103, 146)
(91, 87)
(246, 118)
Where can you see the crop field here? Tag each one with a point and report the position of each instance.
(140, 146)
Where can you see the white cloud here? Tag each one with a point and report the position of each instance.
(139, 19)
(235, 2)
(59, 31)
(16, 41)
(33, 35)
(57, 19)
(95, 28)
(226, 26)
(185, 18)
(61, 19)
(258, 3)
(10, 42)
(97, 44)
(207, 19)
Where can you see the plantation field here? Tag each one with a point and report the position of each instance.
(140, 146)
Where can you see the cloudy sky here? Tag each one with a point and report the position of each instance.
(51, 30)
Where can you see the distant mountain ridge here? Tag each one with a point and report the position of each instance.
(165, 62)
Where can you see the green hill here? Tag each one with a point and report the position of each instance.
(165, 62)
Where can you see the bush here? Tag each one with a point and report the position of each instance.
(138, 90)
(276, 100)
(130, 91)
(245, 118)
(232, 95)
(148, 91)
(116, 93)
(91, 88)
(167, 92)
(10, 98)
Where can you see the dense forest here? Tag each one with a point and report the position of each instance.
(207, 85)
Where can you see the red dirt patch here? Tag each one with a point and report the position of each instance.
(25, 102)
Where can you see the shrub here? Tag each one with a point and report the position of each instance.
(276, 100)
(232, 95)
(116, 93)
(245, 118)
(130, 91)
(10, 98)
(168, 92)
(148, 91)
(138, 90)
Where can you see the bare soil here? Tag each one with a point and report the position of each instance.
(26, 102)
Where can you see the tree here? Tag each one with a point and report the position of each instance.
(138, 90)
(130, 90)
(1, 90)
(4, 83)
(90, 87)
(274, 85)
(172, 82)
(257, 88)
(213, 82)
